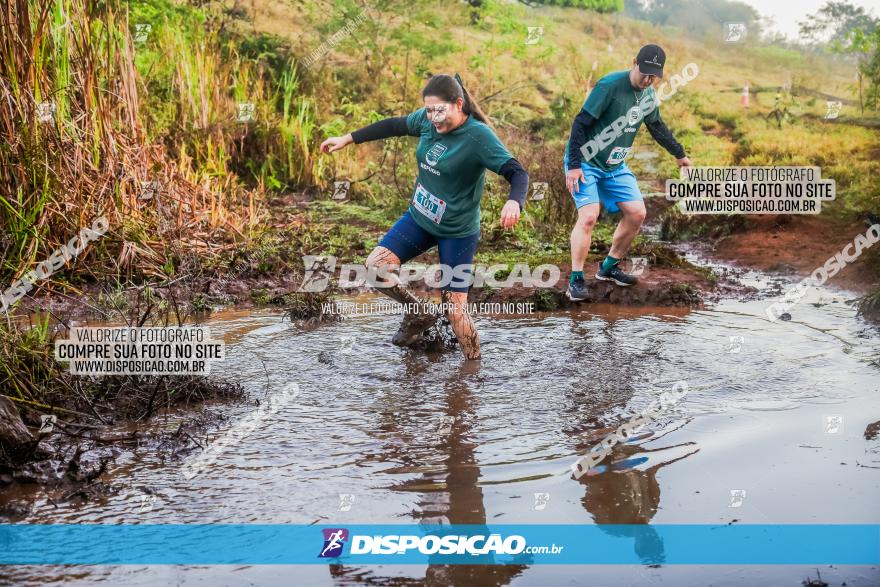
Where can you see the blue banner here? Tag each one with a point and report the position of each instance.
(222, 544)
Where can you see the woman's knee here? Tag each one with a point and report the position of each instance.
(380, 257)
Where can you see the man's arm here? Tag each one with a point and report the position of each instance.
(661, 133)
(578, 139)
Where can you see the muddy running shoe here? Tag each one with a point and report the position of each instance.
(616, 275)
(412, 328)
(577, 290)
(439, 337)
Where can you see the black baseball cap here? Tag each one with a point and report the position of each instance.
(651, 59)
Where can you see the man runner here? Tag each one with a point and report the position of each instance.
(595, 162)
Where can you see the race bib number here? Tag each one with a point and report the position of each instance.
(428, 204)
(617, 155)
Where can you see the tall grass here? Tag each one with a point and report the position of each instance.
(68, 119)
(90, 156)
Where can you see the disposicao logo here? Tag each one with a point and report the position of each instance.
(433, 544)
(334, 541)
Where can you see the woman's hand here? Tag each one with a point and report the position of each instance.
(510, 214)
(336, 143)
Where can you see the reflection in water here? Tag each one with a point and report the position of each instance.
(621, 492)
(449, 495)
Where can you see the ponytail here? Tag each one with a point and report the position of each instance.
(470, 105)
(450, 89)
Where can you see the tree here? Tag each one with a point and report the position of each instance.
(835, 21)
(849, 30)
(867, 46)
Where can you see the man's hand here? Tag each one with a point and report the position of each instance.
(683, 162)
(572, 177)
(510, 214)
(336, 143)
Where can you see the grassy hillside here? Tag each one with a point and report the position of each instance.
(532, 91)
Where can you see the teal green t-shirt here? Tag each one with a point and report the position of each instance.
(612, 98)
(446, 197)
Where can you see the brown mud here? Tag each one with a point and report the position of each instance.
(66, 452)
(658, 286)
(800, 244)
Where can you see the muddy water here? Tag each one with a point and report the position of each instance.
(379, 435)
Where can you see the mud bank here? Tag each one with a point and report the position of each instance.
(660, 286)
(656, 287)
(794, 245)
(65, 452)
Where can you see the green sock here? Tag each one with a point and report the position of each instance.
(576, 275)
(609, 262)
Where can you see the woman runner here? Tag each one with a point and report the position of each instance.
(456, 146)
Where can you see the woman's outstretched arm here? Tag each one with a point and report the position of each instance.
(387, 128)
(384, 129)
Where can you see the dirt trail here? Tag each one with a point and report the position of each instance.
(800, 244)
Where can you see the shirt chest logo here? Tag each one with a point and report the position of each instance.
(634, 115)
(435, 153)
